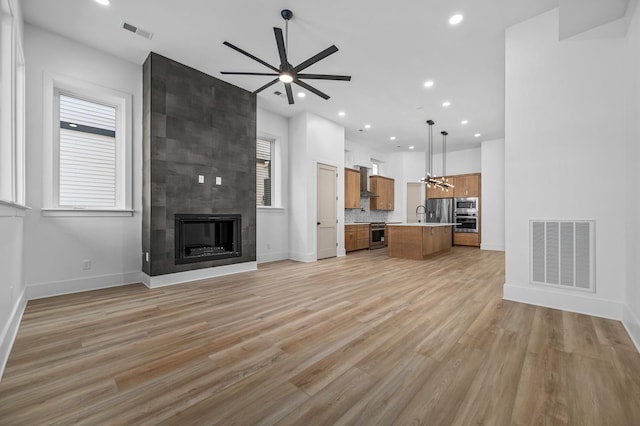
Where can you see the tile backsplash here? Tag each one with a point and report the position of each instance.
(364, 214)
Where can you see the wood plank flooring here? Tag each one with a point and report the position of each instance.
(359, 340)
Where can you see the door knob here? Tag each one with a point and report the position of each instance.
(318, 223)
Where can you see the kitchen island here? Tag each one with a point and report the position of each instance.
(418, 240)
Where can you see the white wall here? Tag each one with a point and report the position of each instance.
(12, 289)
(459, 162)
(632, 297)
(492, 206)
(56, 246)
(313, 140)
(564, 145)
(272, 228)
(358, 154)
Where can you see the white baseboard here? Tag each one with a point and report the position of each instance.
(303, 257)
(76, 285)
(198, 274)
(10, 330)
(573, 302)
(632, 325)
(494, 247)
(271, 257)
(342, 252)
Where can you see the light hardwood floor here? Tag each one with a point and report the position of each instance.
(364, 339)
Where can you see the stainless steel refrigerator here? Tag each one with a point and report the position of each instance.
(440, 210)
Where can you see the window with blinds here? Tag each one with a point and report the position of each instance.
(88, 166)
(264, 178)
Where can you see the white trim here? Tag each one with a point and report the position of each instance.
(342, 252)
(581, 303)
(632, 324)
(269, 209)
(52, 83)
(9, 209)
(495, 247)
(10, 330)
(86, 212)
(77, 285)
(271, 257)
(303, 257)
(198, 274)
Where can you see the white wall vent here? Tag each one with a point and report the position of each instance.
(562, 253)
(137, 30)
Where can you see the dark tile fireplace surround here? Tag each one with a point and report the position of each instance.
(196, 125)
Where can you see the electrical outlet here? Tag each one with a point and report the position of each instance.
(86, 264)
(218, 180)
(146, 256)
(200, 179)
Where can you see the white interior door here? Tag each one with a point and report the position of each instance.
(414, 199)
(327, 223)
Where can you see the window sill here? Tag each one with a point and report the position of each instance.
(11, 209)
(87, 212)
(270, 209)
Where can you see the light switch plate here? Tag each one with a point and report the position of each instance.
(218, 180)
(200, 179)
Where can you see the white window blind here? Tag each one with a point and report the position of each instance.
(87, 154)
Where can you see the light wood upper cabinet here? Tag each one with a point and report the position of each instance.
(351, 189)
(467, 185)
(383, 187)
(439, 193)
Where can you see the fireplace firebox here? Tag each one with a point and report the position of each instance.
(201, 237)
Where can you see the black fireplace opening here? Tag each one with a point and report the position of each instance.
(201, 237)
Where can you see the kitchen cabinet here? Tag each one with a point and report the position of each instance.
(356, 237)
(467, 185)
(439, 193)
(351, 189)
(466, 239)
(418, 241)
(383, 187)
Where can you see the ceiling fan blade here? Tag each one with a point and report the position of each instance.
(237, 49)
(325, 77)
(311, 89)
(248, 73)
(312, 60)
(271, 83)
(289, 92)
(280, 42)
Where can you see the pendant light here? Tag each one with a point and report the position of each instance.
(429, 178)
(428, 157)
(444, 183)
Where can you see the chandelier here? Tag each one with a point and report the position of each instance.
(430, 179)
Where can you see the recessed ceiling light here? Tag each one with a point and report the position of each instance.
(103, 2)
(301, 94)
(367, 126)
(428, 83)
(477, 135)
(411, 147)
(464, 122)
(393, 138)
(455, 19)
(446, 104)
(341, 113)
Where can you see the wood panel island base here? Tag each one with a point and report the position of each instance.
(418, 240)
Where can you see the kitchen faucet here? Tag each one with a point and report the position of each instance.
(423, 213)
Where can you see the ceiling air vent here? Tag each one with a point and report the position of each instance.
(136, 30)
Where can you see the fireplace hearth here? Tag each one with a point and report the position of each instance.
(201, 237)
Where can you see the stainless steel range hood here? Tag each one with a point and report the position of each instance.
(364, 180)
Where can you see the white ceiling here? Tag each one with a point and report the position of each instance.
(389, 48)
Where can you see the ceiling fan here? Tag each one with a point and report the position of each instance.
(286, 72)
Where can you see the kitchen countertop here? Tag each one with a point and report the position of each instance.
(428, 224)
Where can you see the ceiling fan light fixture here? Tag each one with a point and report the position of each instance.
(285, 77)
